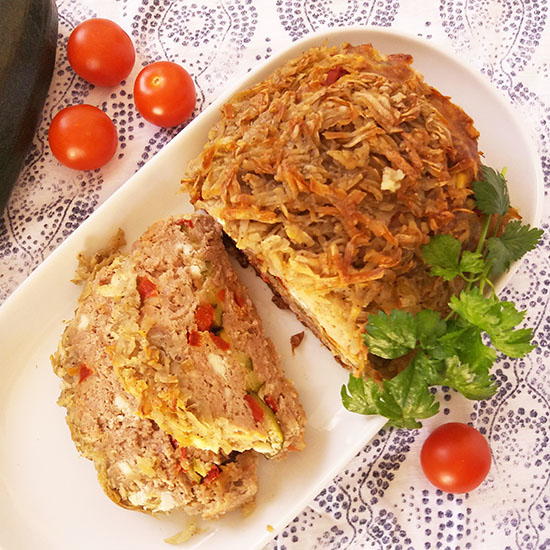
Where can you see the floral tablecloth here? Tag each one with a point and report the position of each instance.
(381, 500)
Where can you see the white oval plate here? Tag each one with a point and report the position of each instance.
(49, 496)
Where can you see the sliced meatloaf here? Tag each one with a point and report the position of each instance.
(330, 175)
(139, 466)
(169, 382)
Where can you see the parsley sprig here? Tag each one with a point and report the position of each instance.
(451, 351)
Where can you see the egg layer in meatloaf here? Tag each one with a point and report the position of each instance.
(170, 385)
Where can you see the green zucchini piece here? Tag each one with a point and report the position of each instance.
(218, 315)
(270, 422)
(253, 383)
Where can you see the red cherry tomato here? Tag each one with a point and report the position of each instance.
(456, 458)
(164, 93)
(101, 52)
(82, 137)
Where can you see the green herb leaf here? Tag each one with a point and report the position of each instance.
(467, 343)
(361, 396)
(509, 315)
(491, 192)
(442, 255)
(472, 381)
(497, 319)
(515, 344)
(465, 361)
(472, 262)
(429, 327)
(391, 336)
(516, 240)
(402, 400)
(407, 397)
(476, 309)
(451, 351)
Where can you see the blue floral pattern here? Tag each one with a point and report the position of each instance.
(381, 500)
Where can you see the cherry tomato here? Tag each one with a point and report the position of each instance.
(101, 52)
(164, 93)
(82, 137)
(456, 458)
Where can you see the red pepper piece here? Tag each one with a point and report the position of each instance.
(334, 74)
(183, 452)
(257, 411)
(84, 372)
(219, 341)
(212, 474)
(221, 294)
(194, 338)
(204, 317)
(186, 223)
(271, 402)
(146, 288)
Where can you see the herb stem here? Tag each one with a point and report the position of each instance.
(490, 283)
(449, 315)
(483, 235)
(485, 279)
(479, 248)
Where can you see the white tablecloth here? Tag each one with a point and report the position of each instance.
(381, 500)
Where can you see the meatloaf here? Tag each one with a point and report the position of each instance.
(330, 175)
(170, 385)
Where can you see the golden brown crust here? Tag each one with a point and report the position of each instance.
(332, 174)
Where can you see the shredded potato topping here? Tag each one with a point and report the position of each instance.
(330, 175)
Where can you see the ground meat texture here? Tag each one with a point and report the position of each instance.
(197, 392)
(124, 358)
